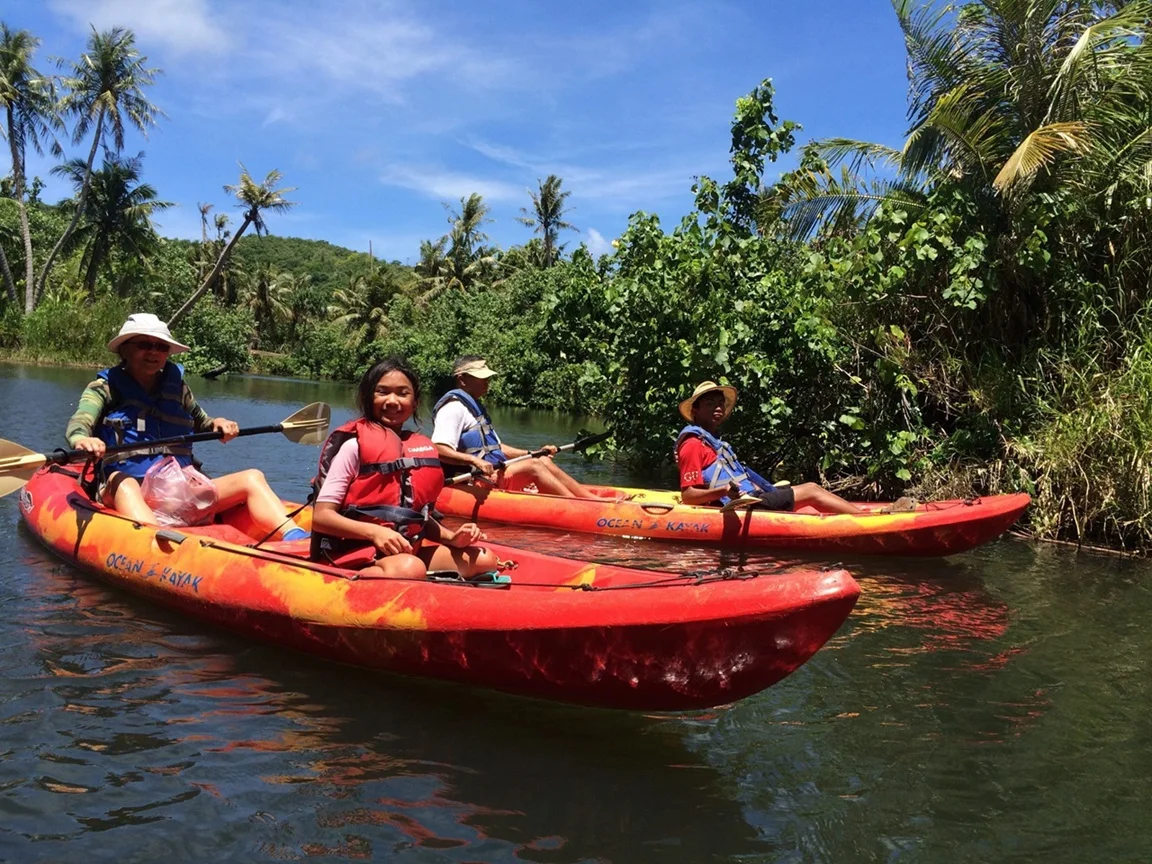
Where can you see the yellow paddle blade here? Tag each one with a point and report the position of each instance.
(742, 501)
(309, 425)
(17, 465)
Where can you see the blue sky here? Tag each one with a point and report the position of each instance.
(379, 112)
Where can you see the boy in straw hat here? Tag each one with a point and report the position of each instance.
(710, 472)
(144, 398)
(465, 440)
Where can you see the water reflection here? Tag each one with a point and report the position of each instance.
(137, 717)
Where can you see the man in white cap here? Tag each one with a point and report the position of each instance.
(710, 472)
(465, 440)
(144, 398)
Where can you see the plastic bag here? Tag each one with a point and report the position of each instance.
(178, 496)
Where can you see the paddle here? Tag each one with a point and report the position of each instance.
(749, 500)
(575, 446)
(309, 425)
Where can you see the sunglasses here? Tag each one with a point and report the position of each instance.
(149, 345)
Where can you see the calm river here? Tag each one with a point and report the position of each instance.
(992, 706)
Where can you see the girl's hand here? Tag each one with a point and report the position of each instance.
(91, 445)
(552, 449)
(390, 542)
(227, 427)
(484, 467)
(465, 536)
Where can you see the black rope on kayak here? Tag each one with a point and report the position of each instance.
(271, 533)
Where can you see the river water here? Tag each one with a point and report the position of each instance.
(991, 706)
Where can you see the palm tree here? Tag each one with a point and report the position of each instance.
(29, 100)
(255, 199)
(547, 216)
(468, 261)
(1006, 97)
(267, 294)
(432, 268)
(224, 285)
(362, 307)
(118, 216)
(104, 92)
(204, 209)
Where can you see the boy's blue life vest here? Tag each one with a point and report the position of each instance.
(482, 439)
(137, 417)
(727, 468)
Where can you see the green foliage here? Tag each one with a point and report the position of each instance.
(63, 330)
(217, 337)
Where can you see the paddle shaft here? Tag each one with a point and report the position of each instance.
(64, 456)
(535, 454)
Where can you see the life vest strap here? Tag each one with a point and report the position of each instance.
(398, 516)
(406, 463)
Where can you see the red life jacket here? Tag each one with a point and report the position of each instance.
(399, 479)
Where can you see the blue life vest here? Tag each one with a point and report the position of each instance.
(137, 417)
(481, 440)
(727, 468)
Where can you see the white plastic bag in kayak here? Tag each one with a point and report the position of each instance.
(178, 495)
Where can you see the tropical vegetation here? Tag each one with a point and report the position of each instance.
(965, 314)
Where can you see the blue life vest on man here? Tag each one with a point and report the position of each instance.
(138, 416)
(481, 440)
(727, 468)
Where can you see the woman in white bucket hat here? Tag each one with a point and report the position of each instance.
(145, 398)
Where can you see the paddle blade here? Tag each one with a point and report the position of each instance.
(742, 501)
(585, 443)
(17, 465)
(309, 425)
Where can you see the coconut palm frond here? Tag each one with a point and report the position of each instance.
(859, 155)
(969, 135)
(1039, 150)
(1097, 46)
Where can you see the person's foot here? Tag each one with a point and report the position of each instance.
(904, 504)
(296, 534)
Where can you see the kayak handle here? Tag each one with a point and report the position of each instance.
(657, 509)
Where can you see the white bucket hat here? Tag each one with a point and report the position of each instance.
(145, 324)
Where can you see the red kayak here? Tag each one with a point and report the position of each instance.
(933, 528)
(594, 634)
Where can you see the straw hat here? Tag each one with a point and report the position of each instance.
(709, 387)
(475, 368)
(145, 324)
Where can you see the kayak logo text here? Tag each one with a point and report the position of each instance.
(25, 500)
(654, 525)
(135, 567)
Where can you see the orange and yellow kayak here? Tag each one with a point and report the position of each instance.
(592, 634)
(934, 528)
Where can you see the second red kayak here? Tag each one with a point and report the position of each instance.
(934, 528)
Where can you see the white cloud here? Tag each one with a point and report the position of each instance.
(448, 185)
(276, 115)
(597, 244)
(183, 25)
(623, 184)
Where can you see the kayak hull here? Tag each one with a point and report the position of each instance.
(935, 528)
(564, 630)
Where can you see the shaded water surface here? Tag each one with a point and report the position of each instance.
(991, 706)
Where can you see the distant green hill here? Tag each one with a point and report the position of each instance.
(330, 266)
